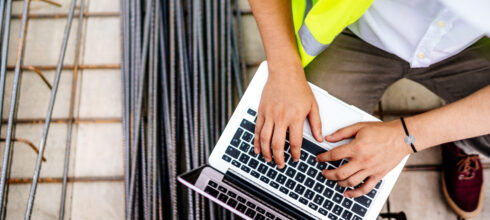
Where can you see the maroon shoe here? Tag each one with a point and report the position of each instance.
(462, 181)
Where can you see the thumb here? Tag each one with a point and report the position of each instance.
(344, 133)
(315, 122)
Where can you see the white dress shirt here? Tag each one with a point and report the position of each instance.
(422, 32)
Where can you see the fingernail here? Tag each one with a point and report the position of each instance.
(256, 151)
(295, 159)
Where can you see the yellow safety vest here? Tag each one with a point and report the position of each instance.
(318, 22)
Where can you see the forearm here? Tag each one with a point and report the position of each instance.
(276, 28)
(466, 118)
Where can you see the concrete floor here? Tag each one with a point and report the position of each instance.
(417, 193)
(96, 147)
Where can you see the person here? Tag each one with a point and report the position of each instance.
(420, 40)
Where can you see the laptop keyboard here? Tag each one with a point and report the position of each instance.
(302, 181)
(249, 208)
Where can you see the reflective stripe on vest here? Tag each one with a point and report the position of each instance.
(318, 22)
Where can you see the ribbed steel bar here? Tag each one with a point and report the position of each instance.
(64, 15)
(12, 110)
(173, 107)
(69, 179)
(239, 44)
(222, 77)
(229, 92)
(54, 91)
(71, 110)
(3, 63)
(2, 13)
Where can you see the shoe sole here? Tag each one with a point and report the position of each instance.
(461, 213)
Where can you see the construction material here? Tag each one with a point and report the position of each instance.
(182, 77)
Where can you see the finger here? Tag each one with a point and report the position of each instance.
(258, 127)
(337, 153)
(278, 140)
(355, 179)
(343, 172)
(315, 122)
(365, 188)
(265, 139)
(295, 139)
(344, 133)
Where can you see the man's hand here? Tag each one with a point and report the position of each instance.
(286, 101)
(377, 148)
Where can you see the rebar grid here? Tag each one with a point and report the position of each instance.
(18, 68)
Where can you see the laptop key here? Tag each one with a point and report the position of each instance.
(245, 169)
(363, 200)
(339, 189)
(322, 211)
(212, 183)
(303, 200)
(264, 179)
(309, 194)
(356, 218)
(378, 184)
(290, 184)
(359, 210)
(346, 203)
(321, 166)
(248, 125)
(247, 136)
(269, 215)
(241, 199)
(251, 205)
(235, 163)
(303, 156)
(292, 163)
(318, 199)
(311, 147)
(253, 163)
(226, 158)
(337, 210)
(300, 177)
(347, 215)
(300, 189)
(281, 179)
(211, 191)
(320, 178)
(255, 174)
(222, 197)
(302, 167)
(318, 188)
(235, 142)
(250, 213)
(311, 160)
(293, 195)
(271, 164)
(284, 190)
(274, 184)
(241, 208)
(260, 210)
(233, 152)
(371, 194)
(290, 172)
(330, 183)
(328, 205)
(244, 147)
(238, 133)
(328, 193)
(231, 194)
(259, 217)
(272, 174)
(313, 206)
(309, 182)
(262, 168)
(244, 158)
(337, 198)
(232, 203)
(251, 112)
(251, 152)
(222, 189)
(332, 216)
(312, 172)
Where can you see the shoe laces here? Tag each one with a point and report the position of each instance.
(467, 167)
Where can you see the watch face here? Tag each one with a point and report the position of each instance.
(409, 139)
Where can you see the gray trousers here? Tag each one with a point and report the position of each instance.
(359, 73)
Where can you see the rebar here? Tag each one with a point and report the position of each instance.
(71, 111)
(13, 106)
(54, 90)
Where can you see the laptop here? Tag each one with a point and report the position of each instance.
(244, 183)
